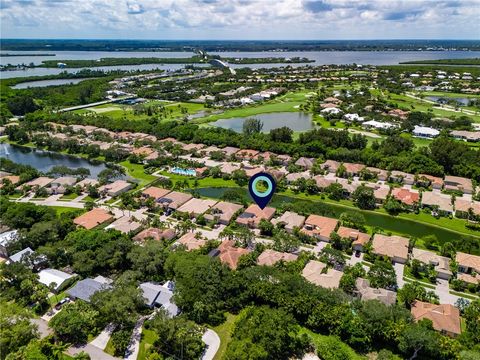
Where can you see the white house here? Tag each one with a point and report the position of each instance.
(353, 117)
(331, 110)
(377, 124)
(425, 132)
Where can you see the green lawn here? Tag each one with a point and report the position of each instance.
(63, 210)
(224, 331)
(137, 172)
(69, 196)
(53, 300)
(203, 182)
(109, 349)
(148, 338)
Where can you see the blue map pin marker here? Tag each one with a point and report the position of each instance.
(262, 198)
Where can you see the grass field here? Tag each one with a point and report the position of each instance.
(148, 338)
(63, 210)
(137, 172)
(224, 331)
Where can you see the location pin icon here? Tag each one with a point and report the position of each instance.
(262, 198)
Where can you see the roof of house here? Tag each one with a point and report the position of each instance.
(229, 254)
(290, 219)
(314, 273)
(87, 182)
(441, 263)
(155, 294)
(84, 289)
(93, 218)
(247, 153)
(468, 260)
(444, 317)
(331, 164)
(190, 242)
(366, 292)
(230, 150)
(357, 236)
(155, 192)
(125, 224)
(406, 196)
(444, 202)
(116, 186)
(19, 255)
(40, 181)
(464, 205)
(253, 214)
(353, 168)
(459, 182)
(223, 210)
(305, 162)
(321, 225)
(175, 199)
(49, 276)
(155, 234)
(270, 257)
(197, 206)
(433, 179)
(391, 246)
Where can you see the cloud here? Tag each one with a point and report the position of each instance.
(402, 15)
(317, 6)
(134, 8)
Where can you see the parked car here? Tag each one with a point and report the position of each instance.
(61, 302)
(357, 253)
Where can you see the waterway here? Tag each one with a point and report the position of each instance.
(320, 57)
(297, 121)
(394, 224)
(44, 160)
(445, 100)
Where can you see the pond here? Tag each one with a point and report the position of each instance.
(297, 121)
(446, 100)
(389, 223)
(44, 83)
(44, 160)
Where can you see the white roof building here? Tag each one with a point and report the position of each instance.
(331, 110)
(377, 124)
(49, 276)
(353, 117)
(425, 132)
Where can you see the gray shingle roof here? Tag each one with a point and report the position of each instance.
(85, 288)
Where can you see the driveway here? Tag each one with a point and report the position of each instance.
(134, 346)
(102, 339)
(94, 352)
(43, 328)
(212, 340)
(399, 268)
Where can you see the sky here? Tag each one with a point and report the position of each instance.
(240, 19)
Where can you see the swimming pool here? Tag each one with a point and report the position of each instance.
(185, 172)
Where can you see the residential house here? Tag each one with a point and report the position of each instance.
(270, 257)
(458, 183)
(406, 196)
(85, 183)
(59, 279)
(305, 163)
(84, 289)
(290, 220)
(155, 234)
(382, 175)
(115, 188)
(173, 200)
(425, 132)
(323, 182)
(155, 192)
(331, 166)
(441, 264)
(59, 185)
(365, 292)
(223, 212)
(435, 201)
(402, 177)
(253, 215)
(190, 241)
(125, 224)
(463, 208)
(359, 239)
(471, 136)
(425, 180)
(395, 247)
(444, 317)
(229, 254)
(247, 154)
(37, 183)
(195, 207)
(317, 273)
(158, 296)
(468, 267)
(353, 169)
(93, 218)
(230, 150)
(319, 227)
(295, 176)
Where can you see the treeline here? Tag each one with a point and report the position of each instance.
(442, 156)
(472, 61)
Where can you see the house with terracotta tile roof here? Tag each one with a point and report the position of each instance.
(382, 175)
(468, 263)
(230, 255)
(305, 163)
(331, 166)
(456, 183)
(464, 206)
(441, 264)
(442, 202)
(365, 292)
(125, 224)
(190, 241)
(155, 234)
(317, 273)
(290, 220)
(322, 182)
(155, 192)
(85, 183)
(253, 170)
(402, 177)
(426, 180)
(253, 215)
(394, 247)
(173, 200)
(39, 182)
(192, 147)
(359, 239)
(93, 218)
(406, 196)
(223, 212)
(353, 169)
(228, 168)
(14, 179)
(116, 188)
(319, 227)
(270, 257)
(229, 150)
(143, 151)
(295, 176)
(444, 317)
(195, 207)
(247, 154)
(284, 159)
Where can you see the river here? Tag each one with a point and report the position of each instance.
(45, 160)
(321, 58)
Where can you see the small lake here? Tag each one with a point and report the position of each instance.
(389, 223)
(44, 83)
(445, 100)
(45, 160)
(297, 121)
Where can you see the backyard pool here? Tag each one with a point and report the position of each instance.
(185, 172)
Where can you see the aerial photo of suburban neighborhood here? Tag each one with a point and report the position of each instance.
(130, 136)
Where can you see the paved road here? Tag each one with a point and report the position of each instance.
(43, 328)
(102, 339)
(212, 340)
(94, 352)
(134, 346)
